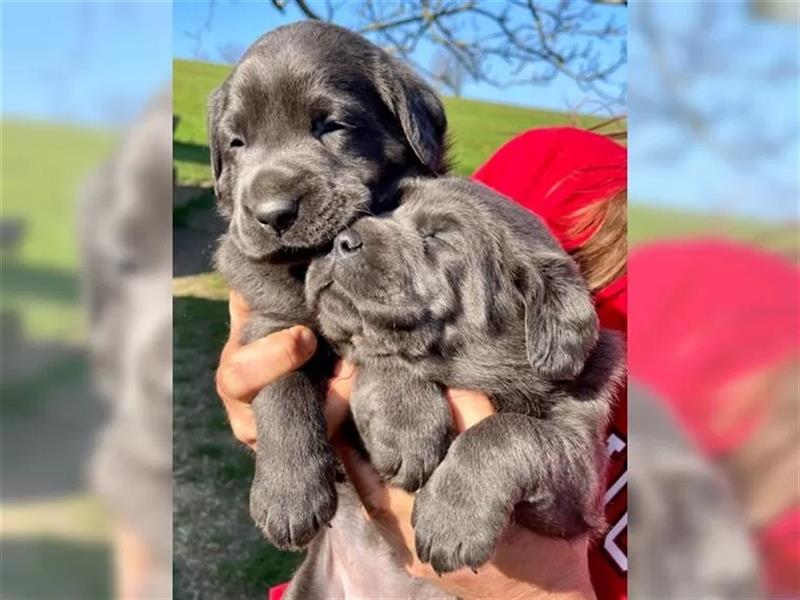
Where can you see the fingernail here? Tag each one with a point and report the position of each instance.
(307, 339)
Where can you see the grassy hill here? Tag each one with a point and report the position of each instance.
(43, 166)
(477, 128)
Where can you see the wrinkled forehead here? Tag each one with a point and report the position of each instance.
(431, 205)
(293, 86)
(430, 219)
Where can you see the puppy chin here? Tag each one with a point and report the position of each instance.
(256, 246)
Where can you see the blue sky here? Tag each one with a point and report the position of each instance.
(746, 84)
(88, 63)
(236, 24)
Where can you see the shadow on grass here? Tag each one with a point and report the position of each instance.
(42, 282)
(191, 153)
(195, 231)
(54, 568)
(217, 550)
(50, 414)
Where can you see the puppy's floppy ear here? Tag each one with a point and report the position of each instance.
(215, 108)
(418, 110)
(561, 325)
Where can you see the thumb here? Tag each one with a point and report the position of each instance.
(468, 407)
(252, 367)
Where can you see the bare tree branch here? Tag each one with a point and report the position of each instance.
(306, 10)
(673, 100)
(536, 40)
(509, 43)
(198, 35)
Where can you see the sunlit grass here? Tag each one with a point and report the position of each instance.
(43, 167)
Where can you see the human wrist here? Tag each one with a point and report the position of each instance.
(533, 567)
(513, 589)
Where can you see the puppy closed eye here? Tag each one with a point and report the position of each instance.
(432, 240)
(323, 126)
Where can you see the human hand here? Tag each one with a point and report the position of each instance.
(244, 370)
(526, 565)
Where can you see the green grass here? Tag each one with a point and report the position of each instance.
(649, 223)
(43, 167)
(218, 553)
(477, 128)
(47, 569)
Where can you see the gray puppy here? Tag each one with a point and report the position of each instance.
(463, 288)
(312, 129)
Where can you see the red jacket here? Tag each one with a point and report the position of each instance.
(554, 173)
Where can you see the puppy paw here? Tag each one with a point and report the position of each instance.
(404, 461)
(406, 426)
(289, 506)
(456, 526)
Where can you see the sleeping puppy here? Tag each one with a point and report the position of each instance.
(312, 129)
(462, 288)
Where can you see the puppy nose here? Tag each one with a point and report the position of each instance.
(278, 214)
(347, 242)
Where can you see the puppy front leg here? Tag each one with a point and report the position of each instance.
(293, 491)
(460, 514)
(405, 423)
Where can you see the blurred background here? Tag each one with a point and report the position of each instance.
(713, 262)
(75, 78)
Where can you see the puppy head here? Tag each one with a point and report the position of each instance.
(311, 130)
(454, 262)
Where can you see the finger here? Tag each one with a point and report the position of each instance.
(365, 479)
(239, 313)
(256, 365)
(468, 407)
(243, 424)
(238, 310)
(337, 404)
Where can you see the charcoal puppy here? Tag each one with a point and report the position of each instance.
(461, 287)
(311, 130)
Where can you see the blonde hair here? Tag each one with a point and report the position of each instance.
(603, 256)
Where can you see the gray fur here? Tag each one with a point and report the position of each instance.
(462, 288)
(316, 117)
